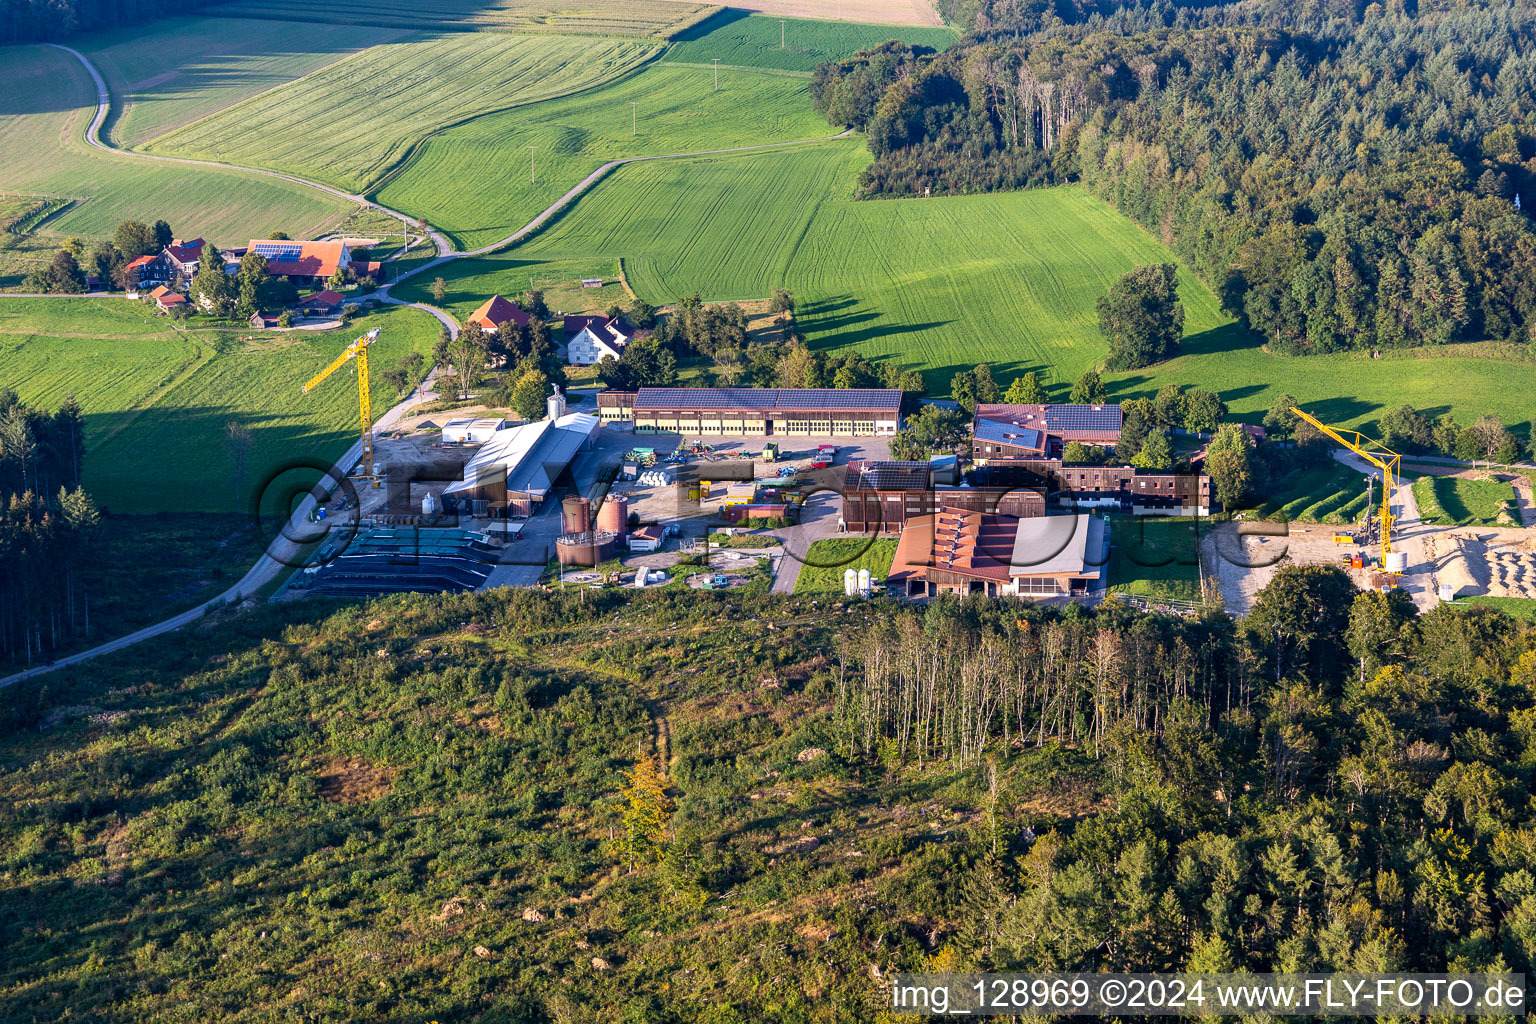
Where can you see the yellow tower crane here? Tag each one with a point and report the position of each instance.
(1384, 459)
(357, 350)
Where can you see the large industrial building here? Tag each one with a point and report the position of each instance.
(769, 412)
(517, 468)
(961, 551)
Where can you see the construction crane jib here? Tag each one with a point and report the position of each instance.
(357, 350)
(1384, 459)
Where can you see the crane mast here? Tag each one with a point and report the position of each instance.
(1378, 455)
(357, 350)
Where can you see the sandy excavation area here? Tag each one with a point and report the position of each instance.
(874, 12)
(1485, 562)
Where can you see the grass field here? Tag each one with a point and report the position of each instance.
(659, 19)
(1515, 607)
(473, 181)
(1453, 501)
(737, 38)
(349, 123)
(1155, 556)
(168, 73)
(157, 403)
(49, 100)
(1329, 493)
(828, 559)
(476, 279)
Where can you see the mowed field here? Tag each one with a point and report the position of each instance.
(473, 181)
(936, 284)
(349, 123)
(877, 12)
(158, 402)
(46, 102)
(793, 44)
(168, 73)
(657, 19)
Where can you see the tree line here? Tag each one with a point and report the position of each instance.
(47, 525)
(1345, 177)
(28, 21)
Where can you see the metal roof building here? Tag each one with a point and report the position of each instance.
(1090, 424)
(823, 412)
(517, 468)
(961, 551)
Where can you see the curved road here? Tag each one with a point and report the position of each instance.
(282, 552)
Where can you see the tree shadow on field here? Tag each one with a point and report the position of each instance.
(1227, 338)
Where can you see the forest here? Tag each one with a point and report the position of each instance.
(1346, 177)
(30, 21)
(573, 806)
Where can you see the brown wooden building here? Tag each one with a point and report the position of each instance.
(881, 497)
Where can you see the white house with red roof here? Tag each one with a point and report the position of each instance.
(588, 339)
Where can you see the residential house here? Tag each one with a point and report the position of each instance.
(167, 300)
(310, 263)
(495, 311)
(181, 257)
(145, 272)
(588, 339)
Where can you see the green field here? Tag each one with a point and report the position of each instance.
(1155, 557)
(653, 18)
(828, 559)
(750, 40)
(1453, 501)
(350, 122)
(473, 181)
(475, 279)
(168, 73)
(157, 402)
(49, 102)
(1515, 607)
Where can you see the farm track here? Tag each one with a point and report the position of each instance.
(284, 551)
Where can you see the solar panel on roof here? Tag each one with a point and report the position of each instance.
(768, 399)
(279, 252)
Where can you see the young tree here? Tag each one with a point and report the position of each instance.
(439, 289)
(253, 284)
(1136, 420)
(647, 810)
(1078, 454)
(1446, 435)
(64, 273)
(530, 394)
(1026, 390)
(641, 313)
(1089, 390)
(1142, 318)
(1491, 437)
(782, 301)
(932, 428)
(1169, 405)
(800, 368)
(1227, 461)
(534, 305)
(211, 285)
(1156, 453)
(467, 354)
(337, 280)
(1405, 429)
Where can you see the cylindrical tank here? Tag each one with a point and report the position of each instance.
(1395, 561)
(585, 548)
(428, 504)
(576, 514)
(613, 517)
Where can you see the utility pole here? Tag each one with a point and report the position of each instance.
(531, 179)
(716, 61)
(634, 119)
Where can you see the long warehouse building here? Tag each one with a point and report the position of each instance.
(768, 412)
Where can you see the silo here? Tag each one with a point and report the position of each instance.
(576, 514)
(613, 517)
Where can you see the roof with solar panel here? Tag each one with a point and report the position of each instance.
(301, 259)
(889, 476)
(1098, 424)
(1000, 432)
(776, 400)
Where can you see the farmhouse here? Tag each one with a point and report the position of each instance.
(303, 262)
(590, 338)
(961, 551)
(167, 300)
(885, 497)
(181, 257)
(145, 271)
(496, 311)
(1010, 431)
(823, 412)
(517, 468)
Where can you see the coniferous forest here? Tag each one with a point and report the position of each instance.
(1346, 176)
(579, 806)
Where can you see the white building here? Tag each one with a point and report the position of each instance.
(588, 339)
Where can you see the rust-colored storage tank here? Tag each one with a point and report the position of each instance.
(613, 517)
(585, 549)
(576, 515)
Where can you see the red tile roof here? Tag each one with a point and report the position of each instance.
(172, 299)
(185, 252)
(495, 311)
(325, 298)
(139, 262)
(313, 259)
